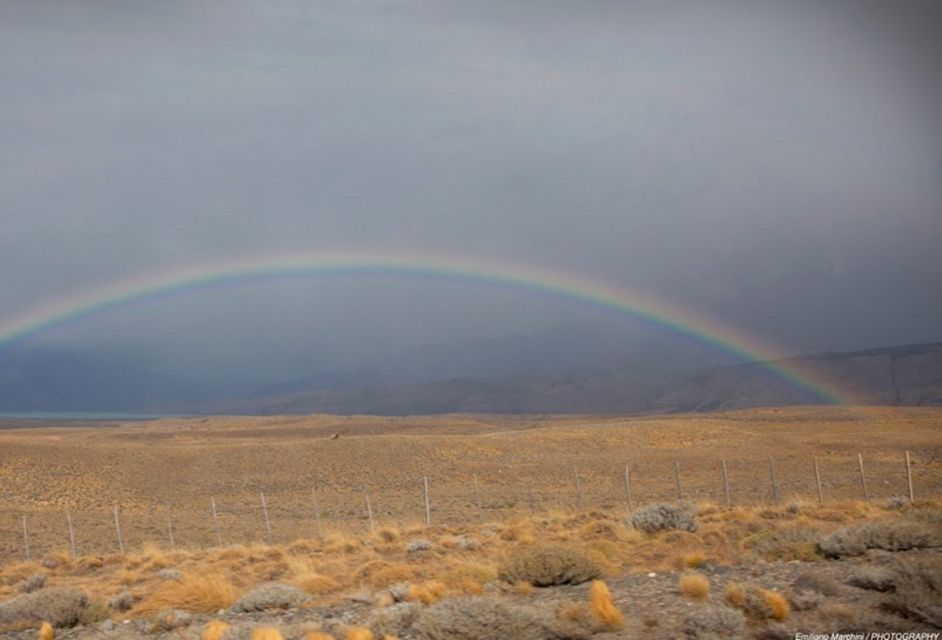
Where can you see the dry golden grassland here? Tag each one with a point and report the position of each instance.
(481, 542)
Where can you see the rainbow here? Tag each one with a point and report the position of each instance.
(489, 272)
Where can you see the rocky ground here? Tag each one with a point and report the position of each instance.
(822, 595)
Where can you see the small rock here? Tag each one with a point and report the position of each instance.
(652, 575)
(399, 592)
(363, 597)
(107, 625)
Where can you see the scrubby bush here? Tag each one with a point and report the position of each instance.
(33, 583)
(664, 517)
(918, 584)
(394, 620)
(714, 623)
(487, 619)
(889, 535)
(758, 603)
(272, 595)
(874, 578)
(121, 602)
(548, 565)
(59, 606)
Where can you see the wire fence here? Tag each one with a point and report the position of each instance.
(194, 521)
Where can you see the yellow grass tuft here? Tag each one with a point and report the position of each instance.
(523, 588)
(318, 635)
(776, 603)
(46, 632)
(358, 633)
(735, 595)
(603, 607)
(316, 584)
(194, 593)
(267, 633)
(390, 575)
(693, 560)
(695, 586)
(214, 630)
(427, 593)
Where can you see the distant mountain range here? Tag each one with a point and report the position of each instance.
(903, 375)
(653, 380)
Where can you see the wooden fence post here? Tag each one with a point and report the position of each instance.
(863, 478)
(68, 520)
(117, 528)
(772, 479)
(369, 513)
(173, 546)
(575, 471)
(530, 497)
(726, 485)
(268, 531)
(628, 488)
(680, 493)
(212, 500)
(477, 494)
(428, 507)
(317, 512)
(909, 478)
(817, 479)
(26, 539)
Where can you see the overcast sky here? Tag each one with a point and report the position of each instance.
(776, 164)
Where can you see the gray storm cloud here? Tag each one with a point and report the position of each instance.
(775, 164)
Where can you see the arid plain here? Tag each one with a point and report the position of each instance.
(497, 487)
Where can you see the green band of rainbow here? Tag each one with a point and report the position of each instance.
(490, 272)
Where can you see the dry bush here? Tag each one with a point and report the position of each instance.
(267, 633)
(394, 620)
(695, 586)
(664, 517)
(358, 633)
(33, 583)
(918, 594)
(793, 543)
(523, 588)
(469, 578)
(758, 603)
(391, 574)
(889, 535)
(872, 577)
(195, 593)
(597, 529)
(272, 595)
(714, 623)
(59, 606)
(486, 619)
(603, 606)
(214, 630)
(548, 565)
(318, 635)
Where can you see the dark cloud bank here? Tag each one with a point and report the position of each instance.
(775, 164)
